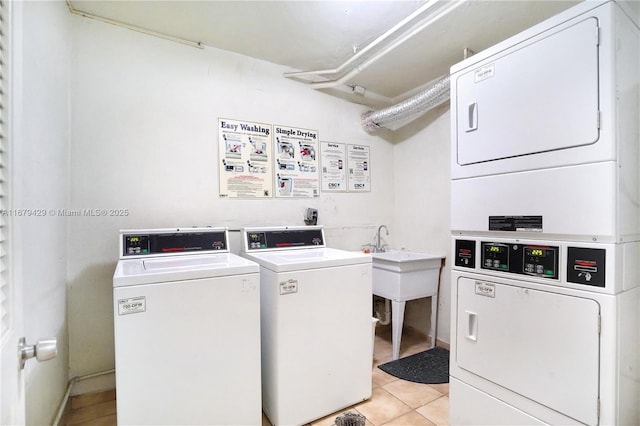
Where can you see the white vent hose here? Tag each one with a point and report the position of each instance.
(398, 115)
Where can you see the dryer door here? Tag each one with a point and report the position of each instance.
(536, 97)
(542, 345)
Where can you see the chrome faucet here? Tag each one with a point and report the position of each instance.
(379, 247)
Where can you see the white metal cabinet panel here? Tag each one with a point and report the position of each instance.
(575, 202)
(542, 345)
(628, 126)
(469, 406)
(540, 98)
(316, 341)
(192, 354)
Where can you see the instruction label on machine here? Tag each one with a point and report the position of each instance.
(288, 287)
(515, 223)
(134, 305)
(481, 74)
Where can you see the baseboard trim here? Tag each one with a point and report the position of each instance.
(442, 344)
(95, 383)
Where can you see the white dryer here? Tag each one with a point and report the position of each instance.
(316, 323)
(545, 219)
(544, 142)
(187, 329)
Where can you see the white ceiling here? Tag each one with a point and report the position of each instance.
(316, 35)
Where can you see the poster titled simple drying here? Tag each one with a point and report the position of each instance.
(296, 162)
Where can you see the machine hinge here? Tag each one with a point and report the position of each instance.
(598, 411)
(599, 116)
(599, 325)
(597, 36)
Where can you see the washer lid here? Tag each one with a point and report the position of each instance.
(179, 268)
(312, 258)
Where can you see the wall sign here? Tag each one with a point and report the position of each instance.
(334, 166)
(358, 163)
(296, 162)
(245, 159)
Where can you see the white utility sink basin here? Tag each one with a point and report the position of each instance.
(404, 261)
(399, 276)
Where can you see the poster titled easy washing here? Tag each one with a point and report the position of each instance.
(246, 157)
(296, 162)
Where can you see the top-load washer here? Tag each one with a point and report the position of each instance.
(316, 323)
(187, 329)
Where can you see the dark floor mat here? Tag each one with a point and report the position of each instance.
(430, 366)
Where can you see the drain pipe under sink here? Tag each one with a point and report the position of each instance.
(386, 318)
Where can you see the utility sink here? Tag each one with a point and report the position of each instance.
(404, 261)
(399, 276)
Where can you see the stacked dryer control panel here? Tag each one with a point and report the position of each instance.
(545, 222)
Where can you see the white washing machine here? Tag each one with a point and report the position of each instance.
(187, 329)
(316, 323)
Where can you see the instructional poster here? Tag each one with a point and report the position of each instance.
(296, 162)
(245, 155)
(359, 177)
(334, 166)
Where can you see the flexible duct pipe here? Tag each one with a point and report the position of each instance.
(406, 111)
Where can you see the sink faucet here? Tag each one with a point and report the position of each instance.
(379, 248)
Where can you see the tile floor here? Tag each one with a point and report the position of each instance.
(394, 402)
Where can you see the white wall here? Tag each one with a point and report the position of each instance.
(41, 180)
(421, 215)
(144, 138)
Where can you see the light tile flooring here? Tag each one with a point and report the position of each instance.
(394, 402)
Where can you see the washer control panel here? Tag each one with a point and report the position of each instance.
(283, 238)
(172, 241)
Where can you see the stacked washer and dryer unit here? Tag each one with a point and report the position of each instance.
(545, 220)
